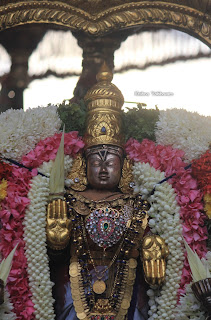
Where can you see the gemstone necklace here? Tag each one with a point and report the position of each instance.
(99, 285)
(106, 225)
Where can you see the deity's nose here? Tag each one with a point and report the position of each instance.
(103, 168)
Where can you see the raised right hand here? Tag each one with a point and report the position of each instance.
(58, 225)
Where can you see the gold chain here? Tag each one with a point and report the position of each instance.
(92, 260)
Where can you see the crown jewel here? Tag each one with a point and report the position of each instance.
(104, 102)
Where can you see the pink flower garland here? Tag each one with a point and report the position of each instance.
(189, 197)
(12, 214)
(46, 149)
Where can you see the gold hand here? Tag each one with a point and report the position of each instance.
(58, 225)
(154, 253)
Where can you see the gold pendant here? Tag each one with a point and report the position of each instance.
(73, 271)
(99, 286)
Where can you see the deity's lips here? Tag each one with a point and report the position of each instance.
(103, 176)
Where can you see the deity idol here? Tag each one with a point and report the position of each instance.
(99, 228)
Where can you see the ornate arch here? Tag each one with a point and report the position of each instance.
(98, 17)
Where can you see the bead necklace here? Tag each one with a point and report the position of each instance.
(99, 285)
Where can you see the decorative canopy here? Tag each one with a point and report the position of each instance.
(98, 17)
(99, 27)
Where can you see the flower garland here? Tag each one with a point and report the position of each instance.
(190, 307)
(12, 215)
(169, 160)
(47, 149)
(36, 248)
(154, 178)
(163, 158)
(184, 130)
(5, 170)
(6, 308)
(35, 219)
(36, 251)
(201, 171)
(26, 127)
(164, 220)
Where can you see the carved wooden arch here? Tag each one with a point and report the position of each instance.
(79, 16)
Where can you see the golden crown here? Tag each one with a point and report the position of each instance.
(104, 120)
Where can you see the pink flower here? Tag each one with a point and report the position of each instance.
(46, 149)
(189, 197)
(12, 214)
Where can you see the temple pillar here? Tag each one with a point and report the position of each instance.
(96, 50)
(19, 44)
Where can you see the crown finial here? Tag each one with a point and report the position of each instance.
(104, 73)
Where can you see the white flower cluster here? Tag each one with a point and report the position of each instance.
(35, 239)
(165, 221)
(21, 130)
(6, 308)
(184, 130)
(190, 307)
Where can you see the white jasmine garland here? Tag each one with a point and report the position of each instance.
(165, 221)
(35, 240)
(6, 308)
(184, 130)
(21, 130)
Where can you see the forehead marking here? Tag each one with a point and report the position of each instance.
(103, 154)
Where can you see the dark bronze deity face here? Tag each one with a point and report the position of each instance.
(103, 172)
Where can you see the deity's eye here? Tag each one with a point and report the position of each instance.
(110, 163)
(96, 163)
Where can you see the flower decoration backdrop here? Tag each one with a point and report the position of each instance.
(24, 194)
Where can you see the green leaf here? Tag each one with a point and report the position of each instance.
(138, 122)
